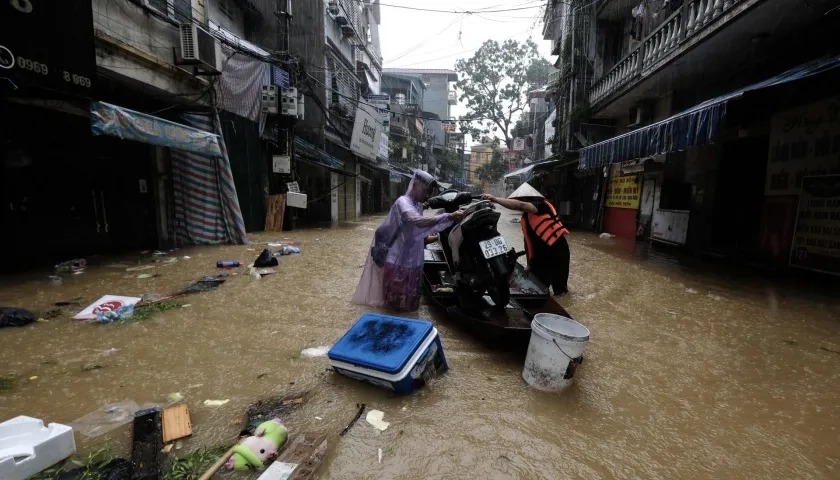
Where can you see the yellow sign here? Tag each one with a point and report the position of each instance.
(624, 192)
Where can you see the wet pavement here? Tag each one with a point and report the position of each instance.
(691, 373)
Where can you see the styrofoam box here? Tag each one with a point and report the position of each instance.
(297, 200)
(396, 353)
(28, 447)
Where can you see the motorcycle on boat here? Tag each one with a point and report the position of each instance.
(475, 251)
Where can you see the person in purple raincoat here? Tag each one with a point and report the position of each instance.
(394, 268)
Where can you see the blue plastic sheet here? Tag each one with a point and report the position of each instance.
(107, 119)
(699, 125)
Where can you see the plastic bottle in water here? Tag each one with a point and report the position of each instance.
(227, 264)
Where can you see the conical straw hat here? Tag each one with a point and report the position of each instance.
(525, 191)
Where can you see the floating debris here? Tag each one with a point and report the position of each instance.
(374, 417)
(315, 352)
(139, 268)
(216, 403)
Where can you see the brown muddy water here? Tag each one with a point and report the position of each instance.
(687, 375)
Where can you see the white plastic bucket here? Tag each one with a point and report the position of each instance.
(555, 351)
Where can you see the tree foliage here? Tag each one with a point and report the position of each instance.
(494, 170)
(495, 83)
(451, 164)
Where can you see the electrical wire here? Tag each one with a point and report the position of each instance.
(468, 12)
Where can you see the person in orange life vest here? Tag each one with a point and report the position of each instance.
(545, 236)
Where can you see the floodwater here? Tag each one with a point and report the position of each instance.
(691, 373)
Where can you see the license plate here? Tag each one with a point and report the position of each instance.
(493, 247)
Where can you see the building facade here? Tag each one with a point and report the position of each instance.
(658, 102)
(438, 98)
(336, 44)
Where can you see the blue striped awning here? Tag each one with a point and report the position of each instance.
(699, 125)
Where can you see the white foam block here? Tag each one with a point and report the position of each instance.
(278, 471)
(28, 447)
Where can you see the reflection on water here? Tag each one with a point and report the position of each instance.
(689, 374)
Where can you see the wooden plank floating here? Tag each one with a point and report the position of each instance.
(176, 423)
(307, 450)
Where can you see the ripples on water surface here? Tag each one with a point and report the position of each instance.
(688, 375)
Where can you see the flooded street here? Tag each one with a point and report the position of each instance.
(687, 375)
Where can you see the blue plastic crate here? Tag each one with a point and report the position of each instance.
(399, 354)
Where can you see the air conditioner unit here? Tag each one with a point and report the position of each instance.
(197, 46)
(333, 7)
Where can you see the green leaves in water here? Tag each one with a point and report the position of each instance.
(146, 312)
(90, 466)
(6, 384)
(193, 465)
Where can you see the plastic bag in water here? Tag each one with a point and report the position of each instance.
(121, 313)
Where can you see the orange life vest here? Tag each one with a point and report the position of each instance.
(548, 228)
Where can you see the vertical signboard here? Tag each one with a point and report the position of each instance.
(624, 192)
(816, 240)
(380, 102)
(383, 147)
(334, 197)
(366, 132)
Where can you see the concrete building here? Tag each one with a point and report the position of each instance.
(654, 93)
(438, 98)
(145, 85)
(337, 44)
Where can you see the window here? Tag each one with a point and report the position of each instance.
(179, 11)
(226, 9)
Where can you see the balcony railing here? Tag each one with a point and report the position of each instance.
(681, 26)
(554, 78)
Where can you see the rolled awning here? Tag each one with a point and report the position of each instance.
(695, 127)
(310, 153)
(107, 119)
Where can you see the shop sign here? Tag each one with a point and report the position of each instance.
(381, 102)
(624, 192)
(367, 131)
(816, 240)
(48, 43)
(804, 142)
(383, 147)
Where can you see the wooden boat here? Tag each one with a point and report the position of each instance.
(508, 328)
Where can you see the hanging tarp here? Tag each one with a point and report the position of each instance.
(206, 204)
(239, 88)
(523, 174)
(107, 119)
(695, 127)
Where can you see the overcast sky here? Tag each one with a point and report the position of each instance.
(417, 39)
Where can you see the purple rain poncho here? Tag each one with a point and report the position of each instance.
(396, 283)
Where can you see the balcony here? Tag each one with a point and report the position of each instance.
(553, 79)
(452, 98)
(700, 41)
